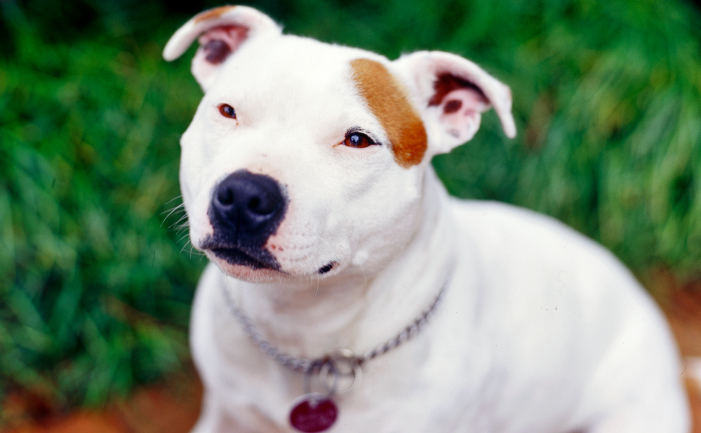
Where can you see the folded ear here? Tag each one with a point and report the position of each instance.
(452, 93)
(221, 32)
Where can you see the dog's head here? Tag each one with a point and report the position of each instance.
(304, 158)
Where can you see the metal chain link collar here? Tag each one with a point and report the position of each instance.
(309, 366)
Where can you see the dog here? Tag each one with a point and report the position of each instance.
(336, 255)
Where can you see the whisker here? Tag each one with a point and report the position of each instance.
(173, 209)
(181, 206)
(183, 217)
(181, 228)
(174, 198)
(192, 250)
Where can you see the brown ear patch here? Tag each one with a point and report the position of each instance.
(388, 101)
(446, 83)
(212, 13)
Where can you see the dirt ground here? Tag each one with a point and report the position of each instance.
(169, 407)
(172, 407)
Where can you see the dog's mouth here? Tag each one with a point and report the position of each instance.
(252, 257)
(235, 256)
(326, 268)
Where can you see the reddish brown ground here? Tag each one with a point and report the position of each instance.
(172, 407)
(684, 314)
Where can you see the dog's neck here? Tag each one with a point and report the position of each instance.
(356, 312)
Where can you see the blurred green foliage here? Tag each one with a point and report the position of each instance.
(96, 279)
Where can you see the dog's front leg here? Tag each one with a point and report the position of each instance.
(209, 419)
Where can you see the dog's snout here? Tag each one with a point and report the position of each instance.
(246, 209)
(251, 204)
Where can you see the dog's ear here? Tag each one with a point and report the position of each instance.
(452, 94)
(220, 32)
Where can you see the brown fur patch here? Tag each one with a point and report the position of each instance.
(213, 13)
(388, 101)
(446, 83)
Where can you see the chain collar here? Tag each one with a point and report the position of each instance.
(308, 366)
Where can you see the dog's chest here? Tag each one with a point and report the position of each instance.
(452, 374)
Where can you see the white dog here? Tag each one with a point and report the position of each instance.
(307, 181)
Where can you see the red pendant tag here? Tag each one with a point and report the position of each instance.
(314, 413)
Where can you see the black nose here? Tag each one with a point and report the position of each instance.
(247, 208)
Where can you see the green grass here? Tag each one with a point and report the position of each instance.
(95, 284)
(95, 290)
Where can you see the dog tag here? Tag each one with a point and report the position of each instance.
(314, 413)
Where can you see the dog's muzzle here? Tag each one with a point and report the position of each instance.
(245, 210)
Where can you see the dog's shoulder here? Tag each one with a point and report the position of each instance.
(498, 223)
(533, 266)
(519, 241)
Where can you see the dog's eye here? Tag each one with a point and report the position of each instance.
(358, 140)
(227, 110)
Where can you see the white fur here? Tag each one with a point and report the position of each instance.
(540, 330)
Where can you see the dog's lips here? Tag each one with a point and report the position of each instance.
(251, 257)
(235, 255)
(327, 267)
